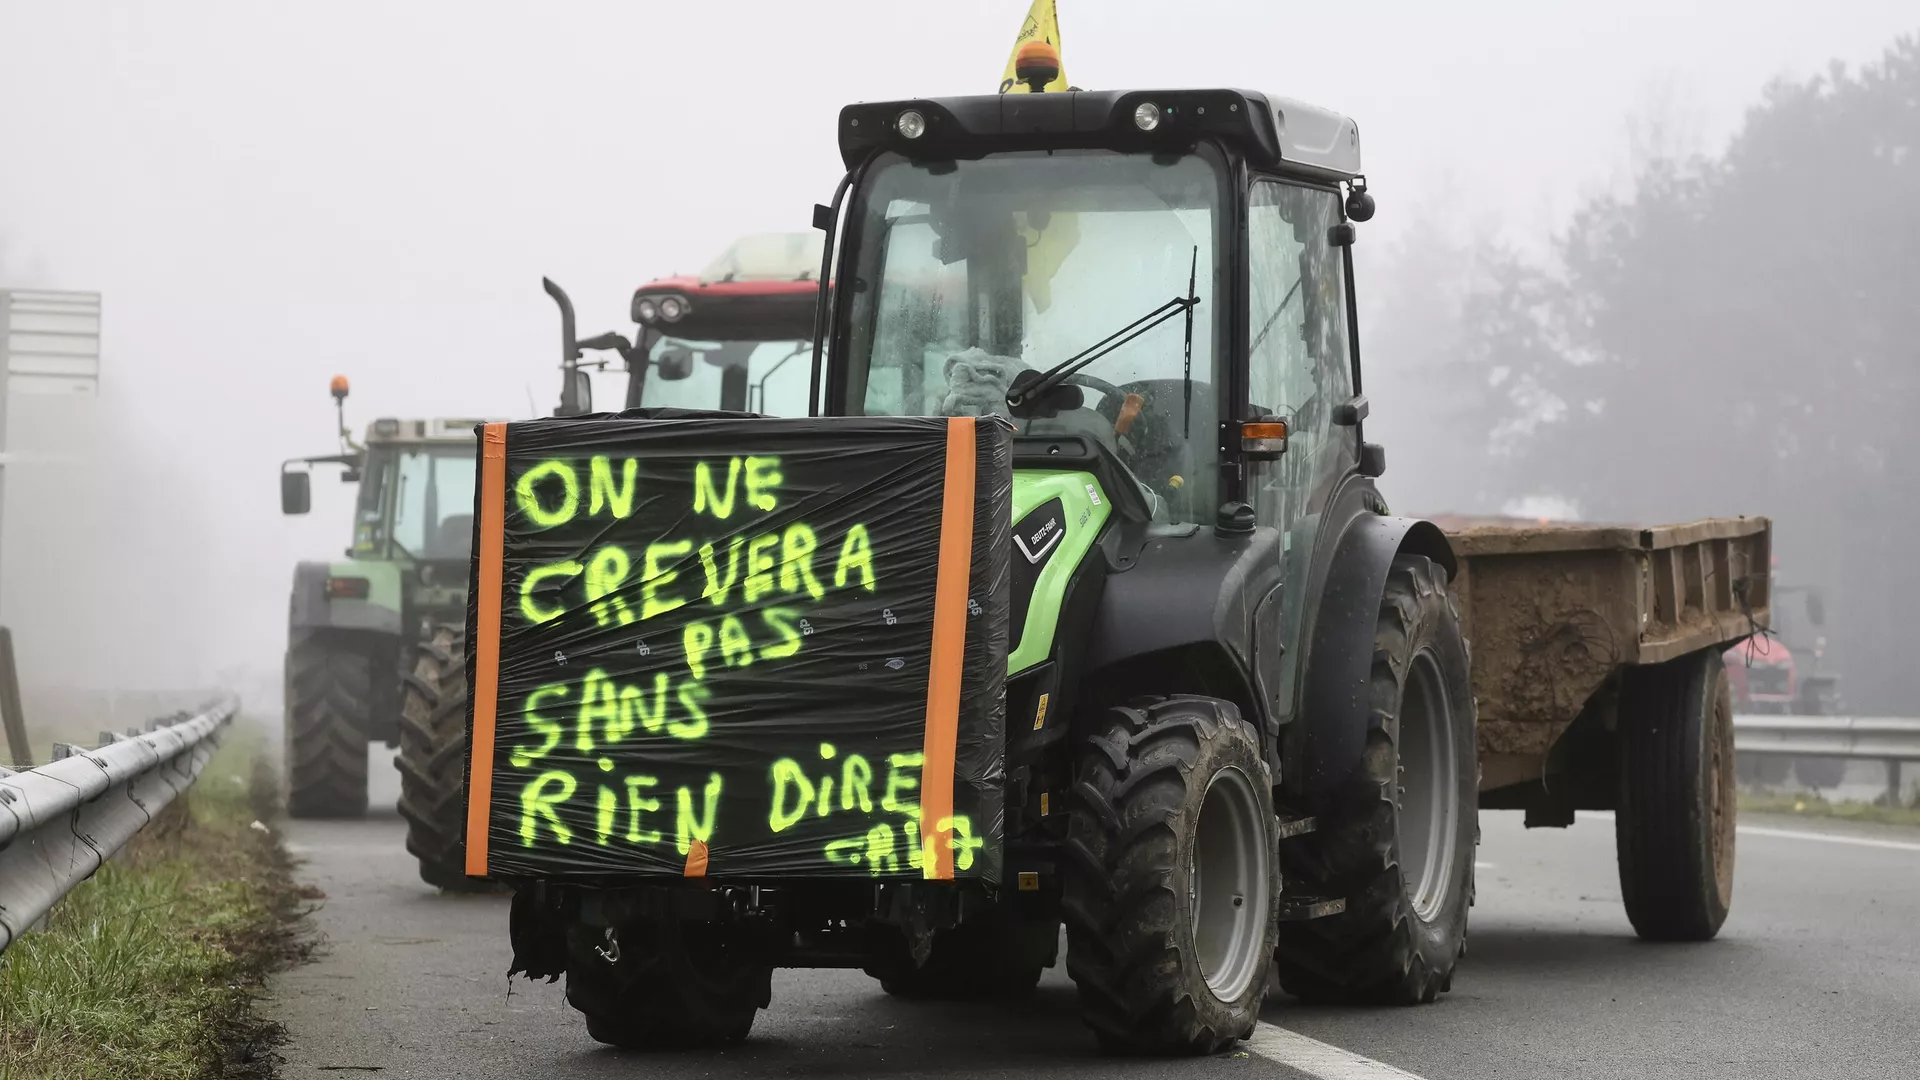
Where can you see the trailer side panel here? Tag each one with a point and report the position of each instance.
(1554, 613)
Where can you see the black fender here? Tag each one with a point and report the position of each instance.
(1325, 749)
(309, 607)
(1189, 600)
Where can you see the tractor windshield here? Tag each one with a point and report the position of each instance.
(738, 376)
(968, 273)
(419, 499)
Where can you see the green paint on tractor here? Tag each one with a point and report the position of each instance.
(1086, 514)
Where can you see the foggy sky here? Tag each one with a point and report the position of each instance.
(270, 194)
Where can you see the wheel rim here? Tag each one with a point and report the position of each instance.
(1230, 876)
(1429, 782)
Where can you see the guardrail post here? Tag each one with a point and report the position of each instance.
(1893, 782)
(11, 717)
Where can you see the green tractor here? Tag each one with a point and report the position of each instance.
(356, 624)
(375, 641)
(1240, 723)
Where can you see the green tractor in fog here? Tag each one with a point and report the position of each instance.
(363, 664)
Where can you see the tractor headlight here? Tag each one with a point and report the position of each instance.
(646, 310)
(911, 124)
(672, 308)
(1146, 116)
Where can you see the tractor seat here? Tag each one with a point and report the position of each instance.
(453, 539)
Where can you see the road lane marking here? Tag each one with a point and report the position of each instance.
(1801, 834)
(1831, 838)
(1318, 1059)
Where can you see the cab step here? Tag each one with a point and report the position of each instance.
(1298, 827)
(1301, 908)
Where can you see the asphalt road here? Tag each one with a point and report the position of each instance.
(1815, 974)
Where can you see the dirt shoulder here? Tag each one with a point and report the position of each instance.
(150, 969)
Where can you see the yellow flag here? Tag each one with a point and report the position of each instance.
(1043, 24)
(1046, 248)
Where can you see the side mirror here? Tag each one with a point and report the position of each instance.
(674, 365)
(611, 341)
(296, 492)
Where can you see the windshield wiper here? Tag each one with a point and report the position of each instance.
(1058, 373)
(1186, 373)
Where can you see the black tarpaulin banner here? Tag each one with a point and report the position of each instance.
(707, 644)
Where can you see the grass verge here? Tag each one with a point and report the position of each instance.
(1806, 805)
(148, 970)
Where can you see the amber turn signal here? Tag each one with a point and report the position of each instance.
(1267, 435)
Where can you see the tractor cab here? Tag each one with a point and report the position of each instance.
(416, 491)
(1157, 283)
(416, 477)
(733, 337)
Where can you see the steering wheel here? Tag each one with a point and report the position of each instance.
(1081, 378)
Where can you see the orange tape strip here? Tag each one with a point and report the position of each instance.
(949, 649)
(486, 642)
(696, 859)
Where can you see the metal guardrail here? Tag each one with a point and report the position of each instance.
(61, 821)
(1878, 737)
(1890, 739)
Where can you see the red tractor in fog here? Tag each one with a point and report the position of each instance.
(738, 336)
(1780, 673)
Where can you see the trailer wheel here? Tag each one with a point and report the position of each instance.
(329, 709)
(657, 985)
(1397, 844)
(433, 762)
(1674, 829)
(1171, 887)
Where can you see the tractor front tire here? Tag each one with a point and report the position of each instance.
(329, 710)
(1396, 843)
(1171, 886)
(433, 761)
(1674, 829)
(665, 985)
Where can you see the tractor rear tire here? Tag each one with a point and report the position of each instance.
(987, 957)
(1674, 829)
(1397, 842)
(670, 985)
(1171, 886)
(329, 710)
(433, 762)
